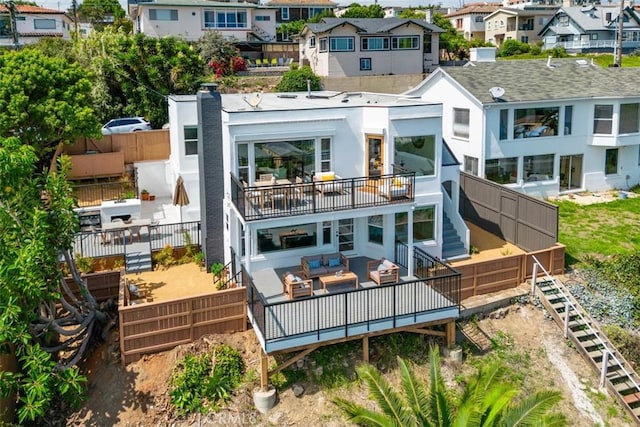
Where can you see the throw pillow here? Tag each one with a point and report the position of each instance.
(397, 182)
(298, 279)
(314, 263)
(328, 176)
(291, 278)
(388, 264)
(381, 267)
(334, 262)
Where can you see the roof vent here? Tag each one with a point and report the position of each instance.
(549, 63)
(582, 62)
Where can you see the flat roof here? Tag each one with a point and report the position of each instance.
(308, 101)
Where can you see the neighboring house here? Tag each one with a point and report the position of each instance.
(522, 24)
(469, 20)
(339, 47)
(190, 19)
(541, 127)
(32, 24)
(385, 155)
(295, 10)
(592, 29)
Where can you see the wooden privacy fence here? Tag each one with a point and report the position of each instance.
(528, 222)
(156, 326)
(488, 276)
(103, 285)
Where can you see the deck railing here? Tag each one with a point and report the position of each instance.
(354, 311)
(94, 244)
(95, 193)
(278, 200)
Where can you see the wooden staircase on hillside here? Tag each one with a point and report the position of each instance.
(616, 374)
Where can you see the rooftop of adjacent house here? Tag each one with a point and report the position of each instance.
(475, 9)
(201, 3)
(539, 80)
(370, 25)
(592, 17)
(27, 8)
(307, 100)
(304, 3)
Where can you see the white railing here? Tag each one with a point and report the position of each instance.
(589, 44)
(606, 352)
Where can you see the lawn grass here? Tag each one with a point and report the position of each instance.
(603, 60)
(599, 229)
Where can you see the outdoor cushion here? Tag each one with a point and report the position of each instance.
(334, 262)
(388, 264)
(297, 279)
(328, 176)
(314, 263)
(291, 278)
(381, 267)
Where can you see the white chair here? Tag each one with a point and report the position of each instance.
(252, 196)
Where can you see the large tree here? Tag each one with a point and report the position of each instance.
(486, 400)
(135, 74)
(451, 41)
(99, 12)
(45, 103)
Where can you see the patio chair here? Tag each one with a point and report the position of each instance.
(253, 196)
(134, 229)
(294, 286)
(383, 271)
(274, 62)
(266, 176)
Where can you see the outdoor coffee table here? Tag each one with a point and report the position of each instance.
(332, 279)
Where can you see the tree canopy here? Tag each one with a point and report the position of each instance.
(358, 11)
(96, 11)
(44, 101)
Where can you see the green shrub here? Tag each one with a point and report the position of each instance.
(626, 342)
(296, 80)
(201, 383)
(164, 258)
(84, 264)
(514, 47)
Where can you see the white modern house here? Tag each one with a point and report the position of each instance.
(345, 47)
(190, 19)
(32, 24)
(349, 172)
(542, 127)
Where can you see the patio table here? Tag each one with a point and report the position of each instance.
(333, 279)
(118, 228)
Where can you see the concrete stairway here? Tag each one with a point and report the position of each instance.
(452, 245)
(138, 261)
(619, 376)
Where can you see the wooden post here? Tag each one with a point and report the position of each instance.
(365, 349)
(264, 371)
(450, 333)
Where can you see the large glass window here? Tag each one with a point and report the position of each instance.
(504, 123)
(324, 44)
(538, 168)
(163, 14)
(225, 19)
(190, 140)
(502, 171)
(284, 159)
(405, 42)
(535, 122)
(423, 225)
(375, 229)
(416, 153)
(281, 238)
(611, 161)
(341, 44)
(243, 162)
(603, 119)
(426, 44)
(44, 24)
(628, 118)
(568, 119)
(325, 154)
(374, 43)
(461, 122)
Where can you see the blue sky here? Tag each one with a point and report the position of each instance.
(66, 4)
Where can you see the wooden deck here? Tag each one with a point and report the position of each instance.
(345, 312)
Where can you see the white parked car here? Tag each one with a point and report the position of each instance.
(126, 124)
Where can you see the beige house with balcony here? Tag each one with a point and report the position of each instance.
(190, 19)
(522, 24)
(339, 47)
(469, 20)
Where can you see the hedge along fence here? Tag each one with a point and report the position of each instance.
(494, 275)
(150, 327)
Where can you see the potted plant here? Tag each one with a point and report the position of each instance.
(144, 194)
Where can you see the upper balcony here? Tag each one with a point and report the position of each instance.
(273, 198)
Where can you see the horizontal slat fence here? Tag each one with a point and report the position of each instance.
(494, 275)
(103, 285)
(157, 326)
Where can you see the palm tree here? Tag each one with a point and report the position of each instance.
(486, 400)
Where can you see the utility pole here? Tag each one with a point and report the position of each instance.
(14, 26)
(74, 7)
(618, 59)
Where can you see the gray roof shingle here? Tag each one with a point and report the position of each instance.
(370, 25)
(532, 80)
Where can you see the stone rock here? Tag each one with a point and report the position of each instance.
(318, 371)
(298, 390)
(300, 363)
(276, 418)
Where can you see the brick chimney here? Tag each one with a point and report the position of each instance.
(211, 168)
